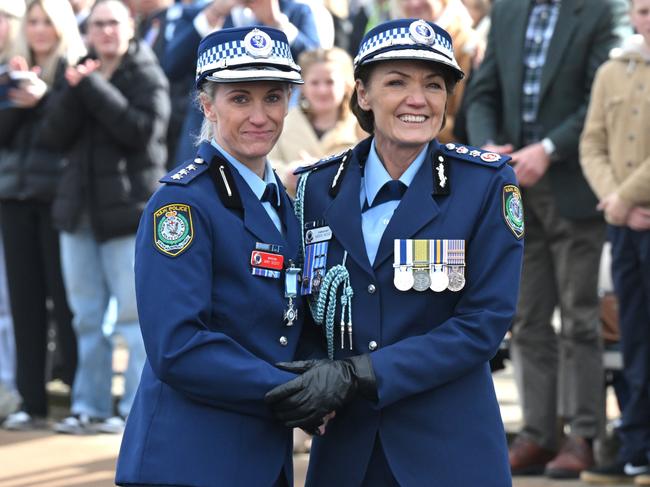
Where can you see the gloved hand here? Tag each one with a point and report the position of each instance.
(323, 387)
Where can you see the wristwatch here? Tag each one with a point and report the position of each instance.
(549, 147)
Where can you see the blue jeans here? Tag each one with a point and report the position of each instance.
(94, 272)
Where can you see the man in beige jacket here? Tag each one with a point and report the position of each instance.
(615, 157)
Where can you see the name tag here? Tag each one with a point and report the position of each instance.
(267, 260)
(317, 235)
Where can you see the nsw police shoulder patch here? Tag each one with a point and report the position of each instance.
(513, 210)
(173, 231)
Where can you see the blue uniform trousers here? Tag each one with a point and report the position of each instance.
(631, 274)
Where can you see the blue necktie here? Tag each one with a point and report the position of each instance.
(390, 191)
(271, 195)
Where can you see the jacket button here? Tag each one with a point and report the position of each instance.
(630, 137)
(283, 341)
(372, 345)
(371, 288)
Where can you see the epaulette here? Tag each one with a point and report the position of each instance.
(328, 161)
(472, 154)
(185, 173)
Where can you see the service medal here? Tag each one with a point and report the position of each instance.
(403, 260)
(421, 280)
(403, 279)
(456, 279)
(438, 276)
(456, 264)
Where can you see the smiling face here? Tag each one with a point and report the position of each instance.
(40, 32)
(247, 118)
(110, 28)
(407, 100)
(323, 89)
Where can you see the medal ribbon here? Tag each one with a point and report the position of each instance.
(420, 253)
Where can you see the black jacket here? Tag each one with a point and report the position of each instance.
(28, 171)
(113, 132)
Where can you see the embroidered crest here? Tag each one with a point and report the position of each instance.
(172, 228)
(513, 210)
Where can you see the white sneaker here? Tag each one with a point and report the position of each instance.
(111, 426)
(77, 424)
(22, 421)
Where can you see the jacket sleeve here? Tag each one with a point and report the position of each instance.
(594, 146)
(482, 316)
(62, 120)
(131, 121)
(484, 95)
(10, 120)
(174, 296)
(180, 54)
(307, 38)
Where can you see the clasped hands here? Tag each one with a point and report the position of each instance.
(323, 387)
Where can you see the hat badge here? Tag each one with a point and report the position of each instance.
(421, 32)
(258, 43)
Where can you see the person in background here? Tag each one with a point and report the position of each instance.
(217, 284)
(415, 249)
(615, 158)
(48, 44)
(479, 10)
(11, 12)
(452, 16)
(158, 20)
(296, 19)
(81, 10)
(111, 121)
(322, 123)
(526, 101)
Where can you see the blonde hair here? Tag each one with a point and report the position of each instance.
(12, 11)
(343, 69)
(70, 45)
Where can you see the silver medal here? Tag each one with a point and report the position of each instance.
(439, 279)
(456, 279)
(421, 279)
(403, 279)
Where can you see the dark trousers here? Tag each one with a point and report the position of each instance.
(31, 248)
(558, 375)
(631, 275)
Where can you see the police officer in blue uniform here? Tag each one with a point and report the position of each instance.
(217, 284)
(412, 255)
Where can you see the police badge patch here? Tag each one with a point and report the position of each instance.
(513, 210)
(172, 228)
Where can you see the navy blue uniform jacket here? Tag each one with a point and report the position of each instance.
(212, 334)
(437, 416)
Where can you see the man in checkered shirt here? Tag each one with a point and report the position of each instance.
(529, 99)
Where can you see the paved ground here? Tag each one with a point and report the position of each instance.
(44, 459)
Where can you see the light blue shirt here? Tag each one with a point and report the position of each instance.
(256, 184)
(375, 220)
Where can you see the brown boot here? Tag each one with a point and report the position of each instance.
(527, 457)
(575, 456)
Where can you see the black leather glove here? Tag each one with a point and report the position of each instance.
(323, 387)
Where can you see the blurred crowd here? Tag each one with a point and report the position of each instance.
(97, 103)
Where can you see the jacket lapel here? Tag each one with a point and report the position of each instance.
(416, 209)
(567, 21)
(344, 216)
(511, 55)
(256, 220)
(291, 231)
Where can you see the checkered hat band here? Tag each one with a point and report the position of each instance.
(235, 52)
(400, 36)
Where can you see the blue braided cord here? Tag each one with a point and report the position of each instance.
(337, 275)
